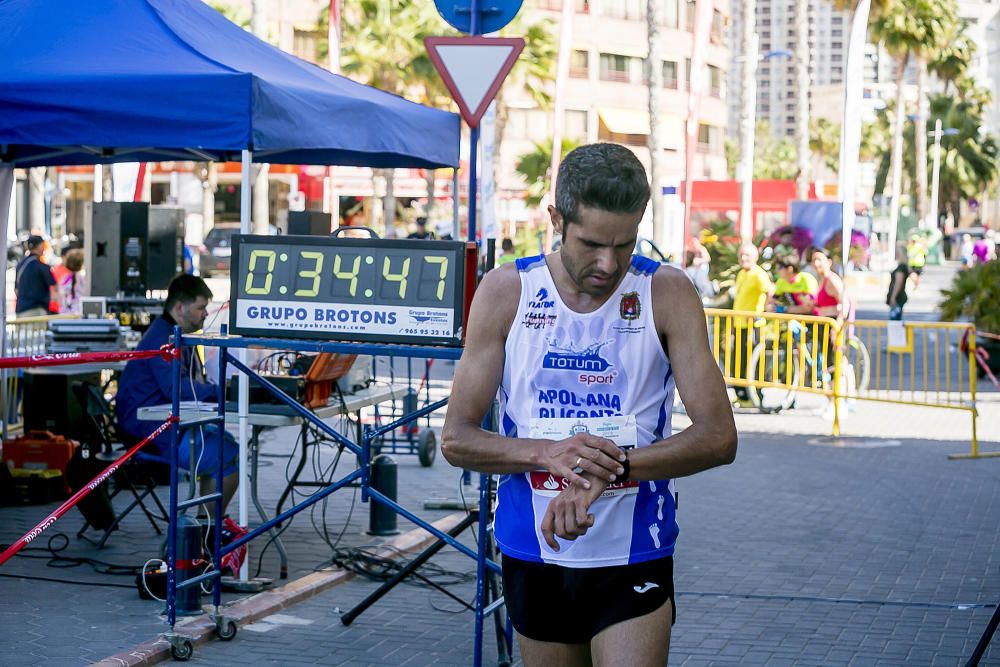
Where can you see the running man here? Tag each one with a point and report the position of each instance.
(576, 343)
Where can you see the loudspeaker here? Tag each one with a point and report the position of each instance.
(166, 246)
(308, 223)
(50, 405)
(115, 241)
(134, 268)
(132, 247)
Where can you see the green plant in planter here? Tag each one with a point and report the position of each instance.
(974, 294)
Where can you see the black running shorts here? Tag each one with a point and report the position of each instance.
(551, 603)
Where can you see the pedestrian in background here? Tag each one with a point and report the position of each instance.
(34, 285)
(507, 254)
(71, 285)
(896, 298)
(916, 255)
(966, 252)
(697, 265)
(421, 232)
(795, 290)
(753, 287)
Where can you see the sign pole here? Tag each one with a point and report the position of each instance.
(473, 135)
(473, 154)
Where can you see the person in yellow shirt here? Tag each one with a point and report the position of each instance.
(753, 288)
(792, 287)
(753, 285)
(916, 254)
(507, 254)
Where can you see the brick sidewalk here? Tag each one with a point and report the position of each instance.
(796, 554)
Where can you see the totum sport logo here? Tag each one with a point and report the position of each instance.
(588, 360)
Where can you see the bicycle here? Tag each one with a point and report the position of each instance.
(789, 358)
(780, 364)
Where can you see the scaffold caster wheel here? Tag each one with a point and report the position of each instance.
(226, 630)
(426, 447)
(182, 650)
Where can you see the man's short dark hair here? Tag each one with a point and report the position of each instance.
(507, 244)
(788, 262)
(185, 288)
(608, 177)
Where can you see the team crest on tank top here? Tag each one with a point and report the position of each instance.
(586, 369)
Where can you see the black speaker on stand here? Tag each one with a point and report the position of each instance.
(308, 223)
(132, 247)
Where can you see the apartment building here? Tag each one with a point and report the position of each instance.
(606, 95)
(777, 91)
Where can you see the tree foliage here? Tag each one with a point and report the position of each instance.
(774, 158)
(824, 140)
(535, 168)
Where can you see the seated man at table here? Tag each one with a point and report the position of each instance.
(148, 382)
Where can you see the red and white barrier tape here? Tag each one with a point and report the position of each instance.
(168, 352)
(79, 495)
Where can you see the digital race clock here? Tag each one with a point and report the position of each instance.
(351, 289)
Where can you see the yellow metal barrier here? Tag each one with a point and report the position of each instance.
(778, 356)
(25, 336)
(772, 351)
(922, 364)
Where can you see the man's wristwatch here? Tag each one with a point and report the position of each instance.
(627, 469)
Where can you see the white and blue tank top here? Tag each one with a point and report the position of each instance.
(561, 364)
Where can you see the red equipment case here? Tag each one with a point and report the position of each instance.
(40, 450)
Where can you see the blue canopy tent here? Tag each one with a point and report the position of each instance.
(103, 81)
(145, 80)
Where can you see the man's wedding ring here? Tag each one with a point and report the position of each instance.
(577, 464)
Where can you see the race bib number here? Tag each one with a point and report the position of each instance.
(620, 430)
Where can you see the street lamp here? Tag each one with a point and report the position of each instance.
(749, 130)
(936, 178)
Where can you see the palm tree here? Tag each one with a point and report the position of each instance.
(535, 167)
(938, 18)
(895, 28)
(824, 142)
(952, 62)
(383, 47)
(773, 158)
(533, 72)
(968, 158)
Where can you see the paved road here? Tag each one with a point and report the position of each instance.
(797, 554)
(805, 551)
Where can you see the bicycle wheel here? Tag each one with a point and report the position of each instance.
(768, 365)
(857, 355)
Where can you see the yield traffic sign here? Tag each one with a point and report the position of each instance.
(473, 68)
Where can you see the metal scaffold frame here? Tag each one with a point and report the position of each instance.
(486, 568)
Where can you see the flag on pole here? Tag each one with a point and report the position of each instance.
(850, 136)
(333, 37)
(330, 194)
(696, 89)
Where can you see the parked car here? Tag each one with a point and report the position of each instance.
(215, 252)
(217, 249)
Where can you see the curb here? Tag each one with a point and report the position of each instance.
(247, 610)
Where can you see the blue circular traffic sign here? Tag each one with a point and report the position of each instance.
(493, 14)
